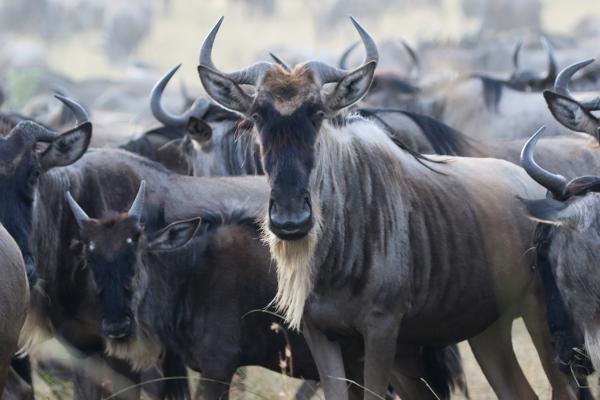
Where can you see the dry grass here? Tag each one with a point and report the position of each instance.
(264, 384)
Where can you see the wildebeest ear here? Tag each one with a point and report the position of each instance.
(67, 148)
(571, 114)
(547, 211)
(172, 156)
(224, 90)
(351, 88)
(198, 130)
(174, 235)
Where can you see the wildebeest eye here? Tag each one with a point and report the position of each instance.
(91, 246)
(256, 118)
(129, 240)
(317, 116)
(34, 174)
(128, 288)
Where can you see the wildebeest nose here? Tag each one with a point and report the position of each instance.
(292, 219)
(117, 329)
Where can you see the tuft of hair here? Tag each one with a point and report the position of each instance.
(294, 264)
(444, 371)
(142, 351)
(37, 327)
(592, 343)
(444, 139)
(492, 92)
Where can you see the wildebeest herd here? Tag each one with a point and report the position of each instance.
(338, 224)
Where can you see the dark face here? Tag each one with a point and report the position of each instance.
(19, 172)
(22, 161)
(111, 253)
(288, 134)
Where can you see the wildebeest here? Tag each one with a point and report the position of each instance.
(573, 154)
(226, 259)
(432, 258)
(505, 113)
(201, 141)
(29, 165)
(14, 297)
(567, 242)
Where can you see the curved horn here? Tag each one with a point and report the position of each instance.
(328, 74)
(197, 109)
(556, 184)
(279, 61)
(137, 207)
(413, 56)
(343, 61)
(552, 67)
(81, 115)
(78, 213)
(248, 76)
(561, 84)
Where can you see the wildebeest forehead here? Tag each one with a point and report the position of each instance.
(287, 91)
(110, 236)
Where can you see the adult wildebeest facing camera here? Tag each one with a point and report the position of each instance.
(433, 269)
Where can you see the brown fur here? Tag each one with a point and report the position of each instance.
(289, 90)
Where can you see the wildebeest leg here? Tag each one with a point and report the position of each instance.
(307, 390)
(124, 380)
(380, 353)
(4, 365)
(330, 364)
(214, 388)
(16, 387)
(408, 373)
(534, 315)
(494, 352)
(408, 387)
(85, 384)
(8, 347)
(96, 376)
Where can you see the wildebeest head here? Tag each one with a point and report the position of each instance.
(288, 108)
(27, 152)
(529, 80)
(572, 242)
(561, 85)
(113, 249)
(210, 145)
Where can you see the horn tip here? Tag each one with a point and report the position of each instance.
(218, 24)
(538, 134)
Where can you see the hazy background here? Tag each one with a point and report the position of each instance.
(70, 36)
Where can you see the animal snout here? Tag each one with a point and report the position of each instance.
(290, 218)
(116, 330)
